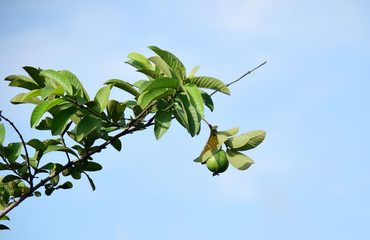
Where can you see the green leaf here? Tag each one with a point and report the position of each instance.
(180, 115)
(93, 166)
(13, 150)
(238, 160)
(164, 82)
(195, 69)
(86, 126)
(2, 133)
(3, 227)
(49, 90)
(92, 184)
(162, 65)
(207, 100)
(66, 185)
(162, 123)
(48, 166)
(136, 64)
(255, 138)
(52, 148)
(193, 120)
(102, 98)
(237, 142)
(60, 120)
(195, 99)
(9, 178)
(36, 144)
(140, 58)
(210, 83)
(18, 99)
(45, 92)
(22, 81)
(117, 144)
(175, 64)
(31, 94)
(147, 97)
(151, 74)
(41, 108)
(124, 86)
(230, 132)
(115, 110)
(59, 78)
(5, 218)
(76, 84)
(35, 75)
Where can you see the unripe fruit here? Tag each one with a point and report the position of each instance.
(218, 163)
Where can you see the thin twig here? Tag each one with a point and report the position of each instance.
(250, 71)
(25, 149)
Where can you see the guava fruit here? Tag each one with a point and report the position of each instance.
(218, 163)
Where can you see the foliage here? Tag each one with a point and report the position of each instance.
(63, 107)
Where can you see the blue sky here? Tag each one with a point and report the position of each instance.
(311, 176)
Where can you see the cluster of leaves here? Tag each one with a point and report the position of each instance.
(233, 145)
(63, 107)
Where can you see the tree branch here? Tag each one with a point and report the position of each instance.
(249, 72)
(30, 181)
(71, 163)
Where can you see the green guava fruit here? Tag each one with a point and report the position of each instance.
(218, 163)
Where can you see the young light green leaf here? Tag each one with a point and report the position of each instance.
(210, 83)
(238, 142)
(148, 96)
(86, 126)
(31, 94)
(164, 82)
(43, 107)
(2, 133)
(255, 138)
(124, 86)
(229, 132)
(195, 69)
(18, 99)
(60, 120)
(140, 58)
(58, 78)
(102, 98)
(162, 123)
(22, 81)
(45, 92)
(161, 64)
(238, 160)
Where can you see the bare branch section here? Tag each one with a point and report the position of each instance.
(247, 73)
